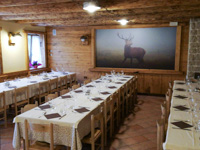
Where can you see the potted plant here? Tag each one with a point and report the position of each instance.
(35, 64)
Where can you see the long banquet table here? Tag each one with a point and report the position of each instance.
(70, 129)
(186, 138)
(32, 82)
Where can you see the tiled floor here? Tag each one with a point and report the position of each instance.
(137, 133)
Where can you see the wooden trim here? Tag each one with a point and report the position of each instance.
(1, 58)
(93, 46)
(39, 70)
(151, 71)
(178, 48)
(145, 71)
(26, 51)
(37, 32)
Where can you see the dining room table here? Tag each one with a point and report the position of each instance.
(183, 131)
(70, 113)
(32, 82)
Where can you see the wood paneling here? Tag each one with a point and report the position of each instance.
(68, 53)
(71, 13)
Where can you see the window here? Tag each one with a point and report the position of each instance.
(36, 50)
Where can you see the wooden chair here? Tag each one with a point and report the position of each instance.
(51, 96)
(164, 116)
(73, 80)
(41, 128)
(23, 94)
(3, 78)
(133, 94)
(96, 133)
(76, 86)
(63, 82)
(29, 107)
(115, 98)
(128, 96)
(86, 81)
(64, 91)
(43, 90)
(168, 104)
(121, 102)
(160, 134)
(108, 117)
(3, 108)
(53, 84)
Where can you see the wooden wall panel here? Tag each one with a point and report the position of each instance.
(68, 53)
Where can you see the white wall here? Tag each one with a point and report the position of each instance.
(15, 57)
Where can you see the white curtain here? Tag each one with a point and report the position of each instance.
(36, 50)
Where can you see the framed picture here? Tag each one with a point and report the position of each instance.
(146, 48)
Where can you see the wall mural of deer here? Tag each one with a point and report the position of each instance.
(132, 52)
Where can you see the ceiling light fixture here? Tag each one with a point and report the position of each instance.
(91, 6)
(123, 21)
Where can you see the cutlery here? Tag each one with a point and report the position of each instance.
(181, 129)
(62, 116)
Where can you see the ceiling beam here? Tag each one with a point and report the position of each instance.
(67, 7)
(102, 13)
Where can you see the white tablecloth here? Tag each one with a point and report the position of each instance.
(178, 139)
(74, 126)
(33, 87)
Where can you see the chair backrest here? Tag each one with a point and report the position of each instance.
(63, 81)
(3, 77)
(168, 104)
(160, 134)
(64, 91)
(42, 128)
(29, 107)
(51, 96)
(44, 87)
(170, 85)
(75, 86)
(3, 107)
(96, 119)
(73, 78)
(23, 91)
(163, 115)
(170, 92)
(53, 83)
(108, 109)
(87, 81)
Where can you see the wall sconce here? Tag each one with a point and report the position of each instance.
(11, 35)
(84, 40)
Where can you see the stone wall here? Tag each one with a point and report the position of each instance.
(194, 47)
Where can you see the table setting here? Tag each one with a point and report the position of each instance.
(183, 131)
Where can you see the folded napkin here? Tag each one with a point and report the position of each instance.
(89, 86)
(123, 80)
(97, 99)
(97, 81)
(78, 91)
(180, 107)
(33, 81)
(66, 96)
(65, 73)
(55, 76)
(180, 89)
(51, 116)
(118, 82)
(181, 83)
(44, 107)
(45, 78)
(82, 110)
(181, 124)
(112, 87)
(12, 87)
(126, 77)
(180, 96)
(105, 93)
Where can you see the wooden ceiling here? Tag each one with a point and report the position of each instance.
(70, 12)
